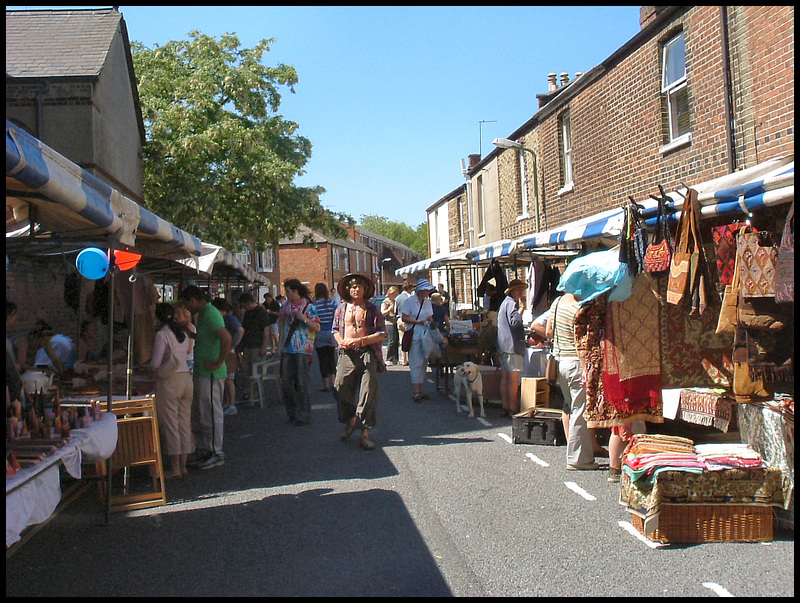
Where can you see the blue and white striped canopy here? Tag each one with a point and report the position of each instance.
(607, 224)
(70, 199)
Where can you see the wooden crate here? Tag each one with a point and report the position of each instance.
(691, 524)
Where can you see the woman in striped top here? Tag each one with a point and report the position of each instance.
(580, 454)
(325, 344)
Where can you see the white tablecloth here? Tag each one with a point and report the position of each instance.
(33, 493)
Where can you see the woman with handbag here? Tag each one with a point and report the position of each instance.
(174, 387)
(418, 312)
(561, 330)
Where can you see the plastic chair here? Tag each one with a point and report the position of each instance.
(266, 370)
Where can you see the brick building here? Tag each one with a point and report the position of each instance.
(313, 257)
(699, 93)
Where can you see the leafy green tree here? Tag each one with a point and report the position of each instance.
(416, 238)
(219, 161)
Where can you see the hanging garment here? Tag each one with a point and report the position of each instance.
(494, 271)
(72, 290)
(784, 269)
(631, 356)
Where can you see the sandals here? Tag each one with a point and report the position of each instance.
(348, 430)
(417, 397)
(366, 443)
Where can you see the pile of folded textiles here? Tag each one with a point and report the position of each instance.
(648, 454)
(729, 455)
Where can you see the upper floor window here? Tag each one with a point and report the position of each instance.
(565, 133)
(460, 219)
(673, 86)
(479, 207)
(266, 260)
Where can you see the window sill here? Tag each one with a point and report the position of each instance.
(566, 189)
(525, 216)
(678, 143)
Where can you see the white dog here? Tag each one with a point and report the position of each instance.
(468, 376)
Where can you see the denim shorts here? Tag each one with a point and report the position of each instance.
(512, 362)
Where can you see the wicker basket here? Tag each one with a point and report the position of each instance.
(710, 523)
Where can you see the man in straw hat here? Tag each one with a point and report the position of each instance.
(359, 329)
(511, 344)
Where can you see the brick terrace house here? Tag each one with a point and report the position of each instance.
(328, 259)
(70, 82)
(700, 92)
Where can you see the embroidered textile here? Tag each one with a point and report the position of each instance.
(758, 256)
(631, 371)
(692, 354)
(589, 328)
(725, 250)
(706, 406)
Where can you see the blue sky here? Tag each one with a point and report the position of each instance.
(391, 97)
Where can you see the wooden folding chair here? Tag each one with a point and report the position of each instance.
(138, 444)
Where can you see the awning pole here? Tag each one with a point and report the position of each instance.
(110, 366)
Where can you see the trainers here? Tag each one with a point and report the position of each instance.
(583, 467)
(230, 410)
(214, 460)
(614, 475)
(197, 458)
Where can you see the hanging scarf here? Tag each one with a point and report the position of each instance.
(631, 372)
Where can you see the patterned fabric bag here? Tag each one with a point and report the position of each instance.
(725, 250)
(659, 254)
(728, 313)
(784, 273)
(757, 256)
(680, 269)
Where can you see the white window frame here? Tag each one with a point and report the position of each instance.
(671, 87)
(479, 213)
(523, 187)
(335, 257)
(266, 260)
(565, 126)
(460, 220)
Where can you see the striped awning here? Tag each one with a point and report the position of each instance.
(422, 265)
(764, 185)
(607, 224)
(495, 249)
(69, 201)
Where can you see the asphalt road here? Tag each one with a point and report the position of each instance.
(445, 506)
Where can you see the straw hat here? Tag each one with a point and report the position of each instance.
(514, 284)
(437, 298)
(344, 289)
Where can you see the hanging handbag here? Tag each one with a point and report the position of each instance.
(729, 312)
(172, 363)
(725, 250)
(745, 388)
(678, 292)
(658, 256)
(551, 370)
(756, 312)
(784, 269)
(408, 335)
(757, 256)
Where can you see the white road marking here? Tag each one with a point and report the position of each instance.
(323, 406)
(247, 435)
(536, 459)
(507, 438)
(638, 535)
(579, 491)
(484, 421)
(717, 589)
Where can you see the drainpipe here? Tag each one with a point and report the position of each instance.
(39, 109)
(726, 72)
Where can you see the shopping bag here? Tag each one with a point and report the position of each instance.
(757, 256)
(784, 268)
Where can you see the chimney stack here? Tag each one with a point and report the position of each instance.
(647, 14)
(474, 159)
(564, 78)
(551, 82)
(578, 74)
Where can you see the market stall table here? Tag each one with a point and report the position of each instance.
(33, 493)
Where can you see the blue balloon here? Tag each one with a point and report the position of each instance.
(92, 263)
